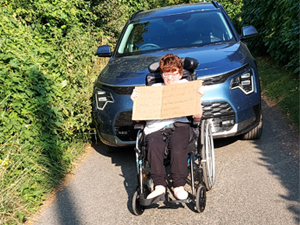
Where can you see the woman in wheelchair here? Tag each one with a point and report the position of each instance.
(172, 134)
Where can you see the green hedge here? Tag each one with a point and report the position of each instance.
(233, 9)
(278, 25)
(46, 65)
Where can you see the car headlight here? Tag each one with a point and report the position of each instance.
(102, 98)
(243, 82)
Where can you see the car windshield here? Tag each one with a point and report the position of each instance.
(176, 31)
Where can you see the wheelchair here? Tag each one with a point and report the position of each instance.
(201, 159)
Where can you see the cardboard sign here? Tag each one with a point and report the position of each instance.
(167, 101)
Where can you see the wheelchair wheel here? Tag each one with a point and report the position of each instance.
(201, 198)
(137, 208)
(208, 155)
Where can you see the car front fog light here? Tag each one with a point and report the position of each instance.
(243, 82)
(102, 98)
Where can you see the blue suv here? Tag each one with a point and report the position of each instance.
(232, 101)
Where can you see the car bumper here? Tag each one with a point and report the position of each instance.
(220, 129)
(237, 129)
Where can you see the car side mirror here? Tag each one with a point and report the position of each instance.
(103, 51)
(248, 32)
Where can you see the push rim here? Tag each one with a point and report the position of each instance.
(208, 155)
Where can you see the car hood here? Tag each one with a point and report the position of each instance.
(213, 60)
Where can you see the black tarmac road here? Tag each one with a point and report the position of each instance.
(257, 182)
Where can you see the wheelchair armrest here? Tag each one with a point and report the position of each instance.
(139, 126)
(196, 122)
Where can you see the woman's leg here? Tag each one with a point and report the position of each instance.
(156, 148)
(178, 149)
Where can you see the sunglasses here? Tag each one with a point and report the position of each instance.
(172, 74)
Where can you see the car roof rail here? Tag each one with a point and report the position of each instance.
(216, 4)
(134, 14)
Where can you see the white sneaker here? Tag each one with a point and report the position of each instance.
(159, 190)
(180, 193)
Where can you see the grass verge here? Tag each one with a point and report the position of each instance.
(281, 87)
(26, 180)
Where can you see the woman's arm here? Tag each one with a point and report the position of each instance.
(134, 94)
(201, 91)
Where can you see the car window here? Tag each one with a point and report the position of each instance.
(176, 31)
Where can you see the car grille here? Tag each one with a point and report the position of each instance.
(120, 90)
(124, 127)
(215, 109)
(124, 119)
(221, 114)
(214, 80)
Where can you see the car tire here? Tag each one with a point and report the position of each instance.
(254, 133)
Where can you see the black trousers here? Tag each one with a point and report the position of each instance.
(178, 142)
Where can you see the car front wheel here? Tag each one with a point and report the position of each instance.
(255, 133)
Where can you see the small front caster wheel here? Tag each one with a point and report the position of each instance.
(201, 198)
(137, 208)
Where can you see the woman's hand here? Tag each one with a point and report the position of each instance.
(201, 91)
(134, 94)
(197, 117)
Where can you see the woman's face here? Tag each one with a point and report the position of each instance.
(171, 77)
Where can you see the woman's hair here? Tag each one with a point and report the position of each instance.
(169, 63)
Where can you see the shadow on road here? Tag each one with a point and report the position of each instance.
(66, 208)
(279, 147)
(125, 158)
(219, 143)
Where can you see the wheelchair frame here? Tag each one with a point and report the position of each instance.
(201, 163)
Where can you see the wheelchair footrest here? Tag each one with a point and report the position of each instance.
(162, 198)
(146, 202)
(186, 201)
